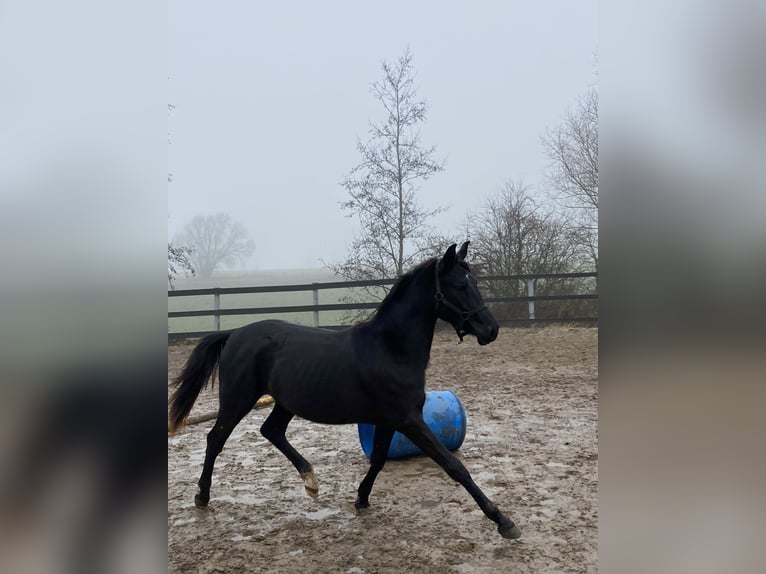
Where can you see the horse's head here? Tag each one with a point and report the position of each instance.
(458, 300)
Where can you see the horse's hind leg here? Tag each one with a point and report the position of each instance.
(381, 442)
(229, 415)
(273, 429)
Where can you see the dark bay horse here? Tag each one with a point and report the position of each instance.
(373, 372)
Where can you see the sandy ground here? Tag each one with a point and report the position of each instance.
(531, 445)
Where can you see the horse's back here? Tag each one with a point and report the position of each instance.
(309, 371)
(268, 340)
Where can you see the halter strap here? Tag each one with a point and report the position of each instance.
(462, 315)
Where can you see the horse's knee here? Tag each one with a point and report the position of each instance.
(453, 466)
(377, 465)
(457, 471)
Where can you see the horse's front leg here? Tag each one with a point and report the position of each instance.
(381, 442)
(419, 433)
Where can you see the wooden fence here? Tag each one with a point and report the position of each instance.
(216, 311)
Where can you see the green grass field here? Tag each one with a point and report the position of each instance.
(257, 278)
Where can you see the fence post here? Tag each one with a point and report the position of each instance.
(531, 293)
(217, 307)
(316, 303)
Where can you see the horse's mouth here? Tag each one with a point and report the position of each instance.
(485, 335)
(484, 340)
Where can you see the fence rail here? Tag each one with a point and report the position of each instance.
(217, 292)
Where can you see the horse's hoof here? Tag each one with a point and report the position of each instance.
(312, 492)
(511, 532)
(359, 505)
(310, 483)
(201, 501)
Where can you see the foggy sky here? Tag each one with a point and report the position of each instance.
(271, 97)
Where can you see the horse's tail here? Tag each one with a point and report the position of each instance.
(194, 376)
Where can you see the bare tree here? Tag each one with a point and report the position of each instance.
(178, 261)
(514, 235)
(394, 233)
(573, 172)
(215, 240)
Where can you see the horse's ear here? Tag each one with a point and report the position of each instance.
(449, 257)
(463, 251)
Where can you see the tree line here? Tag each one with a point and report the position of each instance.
(516, 230)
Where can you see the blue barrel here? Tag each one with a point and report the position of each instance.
(443, 413)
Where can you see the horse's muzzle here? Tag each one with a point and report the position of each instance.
(485, 332)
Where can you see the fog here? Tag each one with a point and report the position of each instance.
(83, 179)
(270, 98)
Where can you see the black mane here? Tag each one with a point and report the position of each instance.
(399, 287)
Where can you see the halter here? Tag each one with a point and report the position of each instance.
(462, 316)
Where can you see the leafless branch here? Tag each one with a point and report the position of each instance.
(572, 149)
(382, 187)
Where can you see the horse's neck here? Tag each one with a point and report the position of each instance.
(407, 327)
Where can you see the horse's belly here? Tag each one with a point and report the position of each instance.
(321, 391)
